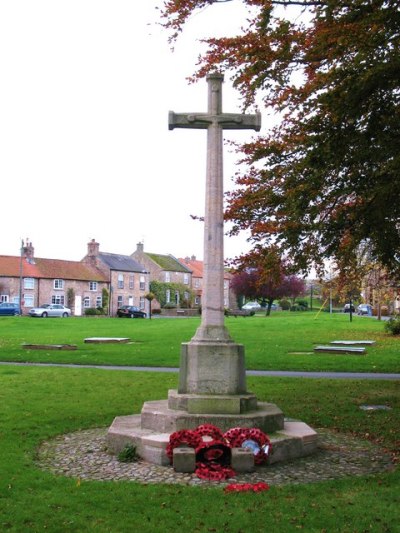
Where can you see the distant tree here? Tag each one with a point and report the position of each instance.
(292, 287)
(256, 284)
(327, 177)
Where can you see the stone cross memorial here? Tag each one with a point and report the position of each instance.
(211, 363)
(212, 374)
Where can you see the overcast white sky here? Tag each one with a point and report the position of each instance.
(86, 86)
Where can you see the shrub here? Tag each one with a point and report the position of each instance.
(393, 326)
(284, 305)
(302, 303)
(91, 311)
(297, 307)
(128, 454)
(169, 305)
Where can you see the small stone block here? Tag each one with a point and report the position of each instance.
(242, 460)
(184, 459)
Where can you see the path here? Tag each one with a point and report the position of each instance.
(266, 373)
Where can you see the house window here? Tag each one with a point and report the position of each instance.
(142, 283)
(226, 284)
(141, 302)
(86, 302)
(93, 285)
(197, 283)
(186, 296)
(4, 298)
(119, 301)
(57, 299)
(177, 297)
(120, 281)
(58, 283)
(131, 282)
(168, 296)
(28, 300)
(197, 300)
(167, 277)
(29, 283)
(99, 301)
(186, 279)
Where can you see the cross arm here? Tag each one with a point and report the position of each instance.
(227, 121)
(188, 120)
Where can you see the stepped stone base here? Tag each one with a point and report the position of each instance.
(159, 417)
(295, 439)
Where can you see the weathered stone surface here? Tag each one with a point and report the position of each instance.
(157, 416)
(184, 459)
(230, 404)
(242, 460)
(212, 368)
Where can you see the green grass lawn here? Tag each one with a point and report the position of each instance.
(38, 403)
(283, 341)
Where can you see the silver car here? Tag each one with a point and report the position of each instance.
(50, 310)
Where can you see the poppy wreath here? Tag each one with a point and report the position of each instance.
(214, 451)
(236, 436)
(184, 437)
(208, 430)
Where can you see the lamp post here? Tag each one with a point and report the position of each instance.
(20, 276)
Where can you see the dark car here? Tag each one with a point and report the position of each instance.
(9, 309)
(130, 311)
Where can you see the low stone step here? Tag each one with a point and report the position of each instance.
(295, 440)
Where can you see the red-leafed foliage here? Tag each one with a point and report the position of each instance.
(327, 178)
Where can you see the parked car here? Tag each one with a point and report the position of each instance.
(10, 309)
(130, 311)
(50, 310)
(252, 306)
(364, 309)
(348, 307)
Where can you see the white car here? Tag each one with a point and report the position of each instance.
(252, 306)
(50, 310)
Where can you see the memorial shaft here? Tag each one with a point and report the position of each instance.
(215, 121)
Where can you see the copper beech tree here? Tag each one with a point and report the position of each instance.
(326, 178)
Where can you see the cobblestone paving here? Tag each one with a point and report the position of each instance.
(83, 455)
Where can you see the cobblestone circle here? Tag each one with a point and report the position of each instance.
(83, 455)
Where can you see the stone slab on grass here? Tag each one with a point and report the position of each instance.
(340, 350)
(107, 340)
(352, 343)
(49, 346)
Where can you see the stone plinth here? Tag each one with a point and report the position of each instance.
(216, 368)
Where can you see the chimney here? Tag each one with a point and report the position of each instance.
(140, 247)
(28, 250)
(93, 248)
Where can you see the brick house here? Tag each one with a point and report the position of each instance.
(196, 266)
(166, 269)
(35, 281)
(128, 279)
